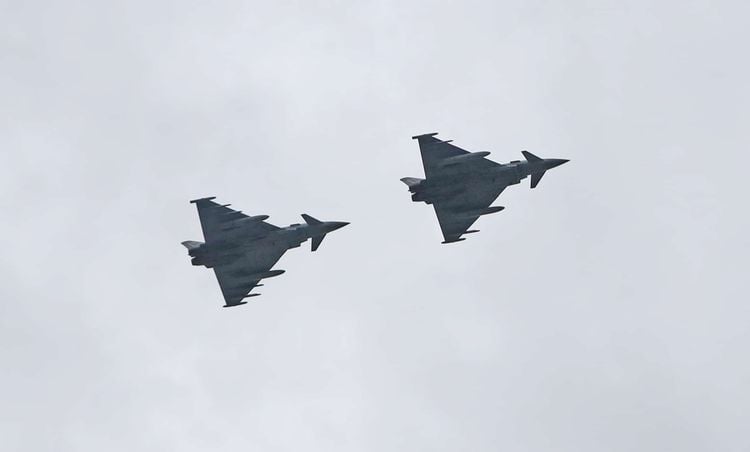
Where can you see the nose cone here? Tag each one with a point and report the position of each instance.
(335, 225)
(554, 163)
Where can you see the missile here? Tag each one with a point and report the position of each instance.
(480, 212)
(243, 221)
(258, 275)
(453, 241)
(271, 273)
(464, 158)
(435, 144)
(242, 292)
(471, 231)
(233, 305)
(490, 210)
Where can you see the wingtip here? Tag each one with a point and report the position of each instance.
(209, 198)
(424, 135)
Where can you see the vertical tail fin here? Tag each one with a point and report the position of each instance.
(535, 178)
(316, 241)
(310, 220)
(530, 157)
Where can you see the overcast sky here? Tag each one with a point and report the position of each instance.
(605, 310)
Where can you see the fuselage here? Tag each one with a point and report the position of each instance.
(232, 246)
(450, 185)
(453, 184)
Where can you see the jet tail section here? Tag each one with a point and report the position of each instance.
(310, 220)
(318, 239)
(318, 229)
(530, 157)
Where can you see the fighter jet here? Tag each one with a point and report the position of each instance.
(242, 249)
(461, 185)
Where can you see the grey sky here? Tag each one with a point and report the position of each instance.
(605, 310)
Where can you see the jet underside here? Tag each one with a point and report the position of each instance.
(462, 185)
(242, 249)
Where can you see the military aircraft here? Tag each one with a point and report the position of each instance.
(461, 185)
(242, 249)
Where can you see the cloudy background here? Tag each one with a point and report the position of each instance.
(605, 310)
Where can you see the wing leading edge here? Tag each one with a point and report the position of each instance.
(441, 157)
(217, 220)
